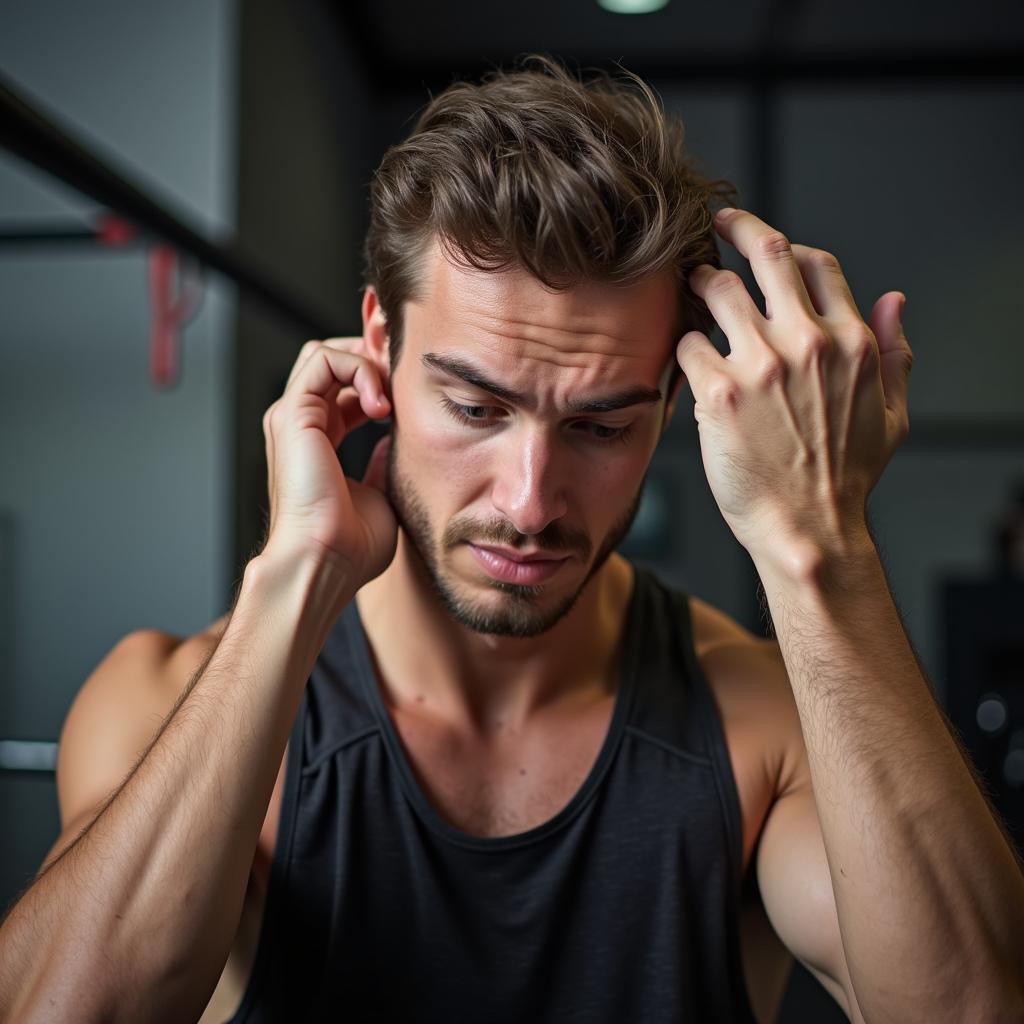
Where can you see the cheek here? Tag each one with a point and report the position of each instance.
(438, 455)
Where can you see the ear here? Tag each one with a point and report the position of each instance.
(376, 343)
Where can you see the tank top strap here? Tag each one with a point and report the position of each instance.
(674, 704)
(668, 706)
(335, 711)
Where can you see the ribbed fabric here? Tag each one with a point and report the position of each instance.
(622, 908)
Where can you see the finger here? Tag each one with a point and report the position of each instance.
(771, 259)
(895, 354)
(356, 346)
(300, 360)
(730, 304)
(706, 371)
(352, 344)
(352, 413)
(825, 282)
(327, 367)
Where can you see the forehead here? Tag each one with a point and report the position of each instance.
(508, 321)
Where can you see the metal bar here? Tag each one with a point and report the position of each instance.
(1000, 65)
(28, 756)
(41, 236)
(25, 132)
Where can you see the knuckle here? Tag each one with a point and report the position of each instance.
(864, 348)
(269, 417)
(304, 353)
(723, 393)
(724, 282)
(824, 260)
(771, 371)
(773, 245)
(811, 342)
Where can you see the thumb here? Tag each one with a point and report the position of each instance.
(376, 474)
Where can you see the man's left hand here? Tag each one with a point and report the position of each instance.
(798, 421)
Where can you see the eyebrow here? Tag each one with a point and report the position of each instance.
(465, 371)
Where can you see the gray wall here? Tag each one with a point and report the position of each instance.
(115, 498)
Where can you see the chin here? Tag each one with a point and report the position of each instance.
(494, 608)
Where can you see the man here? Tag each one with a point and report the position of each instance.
(517, 778)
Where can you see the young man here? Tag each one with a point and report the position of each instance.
(516, 777)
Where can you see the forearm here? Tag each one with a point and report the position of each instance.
(135, 920)
(929, 894)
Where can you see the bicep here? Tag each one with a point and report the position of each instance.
(796, 888)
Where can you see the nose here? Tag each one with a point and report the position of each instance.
(528, 488)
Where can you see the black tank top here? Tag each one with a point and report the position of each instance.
(622, 908)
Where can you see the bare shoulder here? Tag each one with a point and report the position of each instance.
(712, 626)
(747, 677)
(114, 717)
(746, 672)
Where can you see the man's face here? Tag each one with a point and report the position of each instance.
(524, 421)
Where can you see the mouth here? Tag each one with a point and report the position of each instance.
(527, 568)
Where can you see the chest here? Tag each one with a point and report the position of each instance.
(515, 781)
(523, 779)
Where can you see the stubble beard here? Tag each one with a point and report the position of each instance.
(522, 613)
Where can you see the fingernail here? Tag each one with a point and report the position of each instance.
(725, 212)
(903, 302)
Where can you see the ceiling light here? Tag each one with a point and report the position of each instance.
(632, 6)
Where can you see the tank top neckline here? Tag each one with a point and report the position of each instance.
(428, 815)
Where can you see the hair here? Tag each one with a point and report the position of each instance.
(574, 179)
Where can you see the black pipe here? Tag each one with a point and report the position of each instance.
(25, 132)
(979, 67)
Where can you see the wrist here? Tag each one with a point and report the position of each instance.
(323, 577)
(819, 562)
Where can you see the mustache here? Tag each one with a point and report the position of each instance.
(554, 537)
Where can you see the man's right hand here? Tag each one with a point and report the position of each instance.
(314, 507)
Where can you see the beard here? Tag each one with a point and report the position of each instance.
(522, 612)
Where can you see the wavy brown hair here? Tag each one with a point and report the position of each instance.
(575, 179)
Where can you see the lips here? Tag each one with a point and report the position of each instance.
(520, 556)
(510, 566)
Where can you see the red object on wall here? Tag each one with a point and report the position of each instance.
(174, 302)
(113, 230)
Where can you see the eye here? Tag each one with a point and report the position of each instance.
(485, 415)
(475, 414)
(603, 432)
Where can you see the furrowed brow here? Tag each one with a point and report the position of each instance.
(471, 375)
(623, 400)
(459, 368)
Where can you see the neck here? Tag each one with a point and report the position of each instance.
(429, 663)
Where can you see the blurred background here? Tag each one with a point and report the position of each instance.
(183, 198)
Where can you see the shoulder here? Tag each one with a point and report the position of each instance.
(749, 683)
(746, 673)
(713, 627)
(117, 711)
